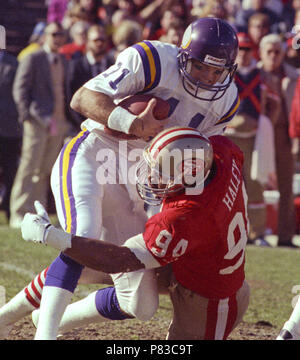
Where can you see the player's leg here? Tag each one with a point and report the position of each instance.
(291, 328)
(137, 293)
(123, 217)
(78, 197)
(133, 296)
(99, 306)
(199, 318)
(22, 304)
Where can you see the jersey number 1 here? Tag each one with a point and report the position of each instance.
(113, 84)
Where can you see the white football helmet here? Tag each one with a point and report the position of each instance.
(177, 159)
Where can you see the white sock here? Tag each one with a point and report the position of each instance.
(78, 314)
(17, 308)
(293, 324)
(53, 304)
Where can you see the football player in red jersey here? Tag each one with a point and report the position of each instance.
(202, 230)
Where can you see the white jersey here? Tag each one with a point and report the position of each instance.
(151, 67)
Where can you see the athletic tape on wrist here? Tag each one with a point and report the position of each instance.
(58, 239)
(120, 120)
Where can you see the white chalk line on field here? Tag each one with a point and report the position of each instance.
(17, 269)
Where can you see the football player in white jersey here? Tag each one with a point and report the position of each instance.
(196, 80)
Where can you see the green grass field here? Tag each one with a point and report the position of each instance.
(271, 272)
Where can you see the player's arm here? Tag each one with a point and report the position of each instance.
(101, 108)
(96, 99)
(92, 104)
(227, 107)
(97, 255)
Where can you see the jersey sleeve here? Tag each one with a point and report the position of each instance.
(124, 78)
(137, 245)
(227, 108)
(164, 237)
(137, 69)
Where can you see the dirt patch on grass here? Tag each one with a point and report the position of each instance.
(136, 330)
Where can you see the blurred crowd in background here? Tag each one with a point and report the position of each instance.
(81, 38)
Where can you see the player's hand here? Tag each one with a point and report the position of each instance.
(146, 126)
(34, 226)
(38, 228)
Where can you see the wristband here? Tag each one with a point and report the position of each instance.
(120, 119)
(58, 239)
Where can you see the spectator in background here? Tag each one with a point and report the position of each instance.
(258, 27)
(257, 6)
(294, 128)
(281, 79)
(168, 17)
(232, 7)
(78, 34)
(35, 41)
(84, 10)
(196, 7)
(128, 33)
(293, 53)
(10, 128)
(39, 92)
(289, 11)
(125, 11)
(243, 129)
(174, 33)
(57, 10)
(145, 12)
(95, 61)
(215, 8)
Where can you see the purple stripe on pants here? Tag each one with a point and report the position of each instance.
(71, 158)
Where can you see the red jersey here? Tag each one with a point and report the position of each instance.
(205, 236)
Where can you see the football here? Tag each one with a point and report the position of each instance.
(138, 103)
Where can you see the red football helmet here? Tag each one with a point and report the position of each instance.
(177, 159)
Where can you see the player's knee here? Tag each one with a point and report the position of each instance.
(142, 309)
(146, 314)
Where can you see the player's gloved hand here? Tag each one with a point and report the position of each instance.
(38, 228)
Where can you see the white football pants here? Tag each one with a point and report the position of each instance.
(94, 198)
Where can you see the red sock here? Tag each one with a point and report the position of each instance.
(34, 289)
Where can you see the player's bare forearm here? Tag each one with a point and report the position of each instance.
(103, 256)
(91, 104)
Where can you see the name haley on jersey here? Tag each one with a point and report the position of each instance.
(152, 67)
(233, 188)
